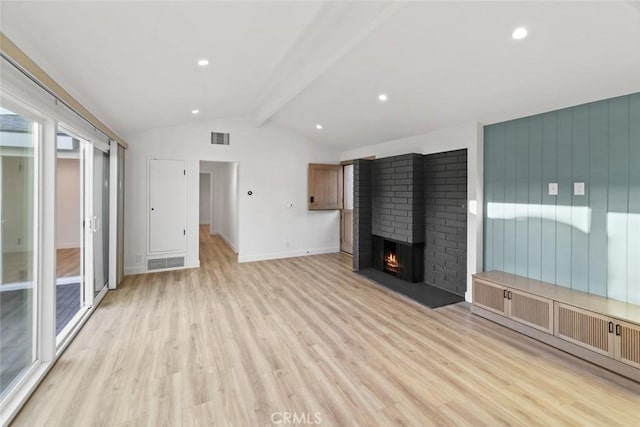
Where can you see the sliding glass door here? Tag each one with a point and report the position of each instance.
(19, 137)
(100, 216)
(82, 207)
(70, 235)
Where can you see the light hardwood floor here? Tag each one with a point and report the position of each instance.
(68, 262)
(230, 344)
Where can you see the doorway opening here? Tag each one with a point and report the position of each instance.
(219, 202)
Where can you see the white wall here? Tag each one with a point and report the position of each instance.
(205, 198)
(469, 136)
(272, 163)
(224, 200)
(68, 203)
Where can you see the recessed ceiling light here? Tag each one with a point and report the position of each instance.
(519, 33)
(382, 97)
(195, 111)
(203, 62)
(319, 126)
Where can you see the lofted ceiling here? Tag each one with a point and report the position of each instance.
(299, 64)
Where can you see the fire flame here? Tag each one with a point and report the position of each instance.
(391, 260)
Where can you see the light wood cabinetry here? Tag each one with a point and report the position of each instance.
(628, 343)
(325, 186)
(585, 328)
(603, 331)
(525, 308)
(490, 296)
(531, 310)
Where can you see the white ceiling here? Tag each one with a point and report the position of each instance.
(302, 63)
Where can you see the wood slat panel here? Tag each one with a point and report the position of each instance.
(534, 311)
(628, 344)
(489, 296)
(581, 327)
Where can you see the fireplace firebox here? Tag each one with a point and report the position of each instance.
(400, 259)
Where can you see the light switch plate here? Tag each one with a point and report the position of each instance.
(553, 188)
(578, 188)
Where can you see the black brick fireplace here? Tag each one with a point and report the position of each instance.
(400, 259)
(410, 221)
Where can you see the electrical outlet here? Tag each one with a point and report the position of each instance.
(553, 188)
(578, 188)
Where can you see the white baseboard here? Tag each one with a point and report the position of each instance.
(131, 271)
(228, 242)
(68, 245)
(290, 254)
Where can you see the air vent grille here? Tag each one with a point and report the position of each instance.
(162, 263)
(219, 138)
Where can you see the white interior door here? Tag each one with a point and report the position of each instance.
(167, 206)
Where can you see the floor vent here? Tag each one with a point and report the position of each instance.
(219, 138)
(162, 263)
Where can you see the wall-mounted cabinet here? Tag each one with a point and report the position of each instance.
(603, 331)
(325, 186)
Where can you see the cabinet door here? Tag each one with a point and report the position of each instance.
(628, 343)
(531, 310)
(584, 328)
(325, 186)
(489, 296)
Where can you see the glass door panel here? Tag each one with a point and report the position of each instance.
(100, 219)
(70, 292)
(18, 138)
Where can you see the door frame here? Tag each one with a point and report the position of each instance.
(344, 164)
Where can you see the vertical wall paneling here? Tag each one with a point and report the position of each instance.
(522, 197)
(633, 248)
(588, 242)
(598, 195)
(618, 198)
(535, 198)
(549, 175)
(489, 171)
(563, 200)
(498, 183)
(580, 204)
(510, 196)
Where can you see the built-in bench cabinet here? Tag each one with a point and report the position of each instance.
(598, 329)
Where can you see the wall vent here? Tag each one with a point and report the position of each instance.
(219, 138)
(162, 263)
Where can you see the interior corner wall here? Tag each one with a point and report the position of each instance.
(587, 242)
(205, 199)
(468, 136)
(271, 162)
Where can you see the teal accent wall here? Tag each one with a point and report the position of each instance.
(590, 242)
